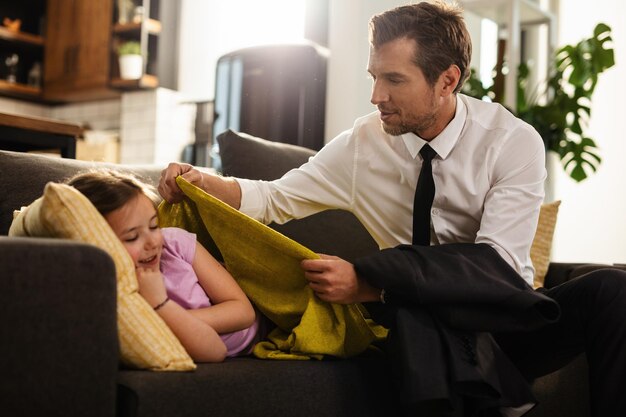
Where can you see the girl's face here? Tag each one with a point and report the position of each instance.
(136, 225)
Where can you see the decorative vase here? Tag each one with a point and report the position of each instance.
(131, 67)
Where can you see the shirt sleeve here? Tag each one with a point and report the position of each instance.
(511, 208)
(324, 182)
(179, 242)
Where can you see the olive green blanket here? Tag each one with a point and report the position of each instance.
(266, 264)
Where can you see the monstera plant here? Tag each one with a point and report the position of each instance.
(560, 108)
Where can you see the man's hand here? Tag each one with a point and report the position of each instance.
(168, 188)
(334, 280)
(225, 189)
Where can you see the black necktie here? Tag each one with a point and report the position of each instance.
(424, 193)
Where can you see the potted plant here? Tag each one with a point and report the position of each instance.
(131, 60)
(560, 109)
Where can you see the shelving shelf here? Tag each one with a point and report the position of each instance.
(22, 37)
(152, 26)
(512, 17)
(144, 28)
(19, 89)
(527, 12)
(146, 81)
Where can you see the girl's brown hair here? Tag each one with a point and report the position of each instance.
(109, 190)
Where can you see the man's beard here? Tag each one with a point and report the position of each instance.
(415, 125)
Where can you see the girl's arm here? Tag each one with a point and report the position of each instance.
(231, 310)
(199, 339)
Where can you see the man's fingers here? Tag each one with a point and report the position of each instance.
(167, 183)
(315, 265)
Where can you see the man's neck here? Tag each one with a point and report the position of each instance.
(443, 117)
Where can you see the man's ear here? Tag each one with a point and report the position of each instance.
(449, 79)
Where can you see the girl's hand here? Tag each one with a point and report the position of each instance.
(151, 285)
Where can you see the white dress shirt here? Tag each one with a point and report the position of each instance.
(489, 174)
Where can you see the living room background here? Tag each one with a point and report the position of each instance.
(591, 224)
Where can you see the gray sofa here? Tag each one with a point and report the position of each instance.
(58, 335)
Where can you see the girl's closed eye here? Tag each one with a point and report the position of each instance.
(131, 238)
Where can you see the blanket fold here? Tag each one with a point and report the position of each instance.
(266, 264)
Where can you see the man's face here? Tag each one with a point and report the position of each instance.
(405, 100)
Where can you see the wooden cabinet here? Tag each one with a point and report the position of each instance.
(74, 43)
(77, 54)
(21, 48)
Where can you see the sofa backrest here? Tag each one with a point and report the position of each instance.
(23, 177)
(333, 232)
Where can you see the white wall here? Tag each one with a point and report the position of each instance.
(348, 85)
(210, 29)
(592, 218)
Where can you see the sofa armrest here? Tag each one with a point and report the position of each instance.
(560, 272)
(58, 328)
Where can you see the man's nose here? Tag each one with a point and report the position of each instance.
(379, 94)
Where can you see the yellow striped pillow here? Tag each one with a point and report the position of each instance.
(542, 243)
(146, 342)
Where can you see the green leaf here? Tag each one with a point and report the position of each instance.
(567, 94)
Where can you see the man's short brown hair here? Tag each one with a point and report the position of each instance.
(439, 31)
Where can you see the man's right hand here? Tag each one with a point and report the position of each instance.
(168, 188)
(226, 189)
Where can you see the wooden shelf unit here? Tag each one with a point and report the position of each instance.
(19, 89)
(146, 32)
(22, 37)
(152, 26)
(146, 81)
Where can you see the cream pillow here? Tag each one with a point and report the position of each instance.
(542, 243)
(146, 342)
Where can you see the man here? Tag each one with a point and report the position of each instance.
(487, 171)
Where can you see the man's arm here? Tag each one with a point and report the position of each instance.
(225, 189)
(511, 207)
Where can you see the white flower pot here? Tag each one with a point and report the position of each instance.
(131, 67)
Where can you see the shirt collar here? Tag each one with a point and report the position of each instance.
(445, 141)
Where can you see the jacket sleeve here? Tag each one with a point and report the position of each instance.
(468, 286)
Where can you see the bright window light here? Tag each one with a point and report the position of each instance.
(244, 23)
(488, 50)
(210, 29)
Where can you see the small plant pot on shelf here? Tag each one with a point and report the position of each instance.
(131, 67)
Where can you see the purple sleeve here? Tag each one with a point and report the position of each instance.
(180, 242)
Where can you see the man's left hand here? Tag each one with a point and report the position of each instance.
(334, 280)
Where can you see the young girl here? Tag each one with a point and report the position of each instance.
(193, 293)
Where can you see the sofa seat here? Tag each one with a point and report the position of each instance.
(255, 387)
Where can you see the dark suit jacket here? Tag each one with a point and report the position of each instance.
(442, 302)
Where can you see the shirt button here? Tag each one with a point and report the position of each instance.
(435, 212)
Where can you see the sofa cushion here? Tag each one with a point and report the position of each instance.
(145, 340)
(257, 387)
(246, 156)
(24, 175)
